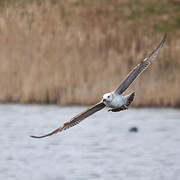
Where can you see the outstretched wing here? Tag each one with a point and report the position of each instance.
(75, 120)
(139, 68)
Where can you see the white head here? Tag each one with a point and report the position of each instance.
(108, 97)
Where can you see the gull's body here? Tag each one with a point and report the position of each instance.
(114, 100)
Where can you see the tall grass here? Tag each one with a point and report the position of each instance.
(71, 52)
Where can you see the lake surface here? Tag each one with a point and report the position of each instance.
(100, 147)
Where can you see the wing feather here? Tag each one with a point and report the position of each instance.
(139, 68)
(76, 119)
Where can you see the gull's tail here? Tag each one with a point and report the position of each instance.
(129, 98)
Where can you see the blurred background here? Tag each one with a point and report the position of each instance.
(70, 52)
(73, 51)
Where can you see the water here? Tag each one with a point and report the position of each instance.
(101, 147)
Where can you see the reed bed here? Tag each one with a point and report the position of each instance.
(71, 52)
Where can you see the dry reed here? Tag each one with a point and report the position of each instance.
(72, 52)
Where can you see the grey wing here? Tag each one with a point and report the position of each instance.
(75, 120)
(139, 68)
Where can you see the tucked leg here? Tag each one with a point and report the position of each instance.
(124, 107)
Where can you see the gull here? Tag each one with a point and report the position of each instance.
(114, 100)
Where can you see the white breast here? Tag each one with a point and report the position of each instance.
(117, 102)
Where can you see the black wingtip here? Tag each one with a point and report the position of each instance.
(164, 37)
(36, 137)
(163, 40)
(49, 134)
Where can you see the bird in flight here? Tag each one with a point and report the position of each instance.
(114, 100)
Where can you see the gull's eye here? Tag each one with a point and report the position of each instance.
(108, 96)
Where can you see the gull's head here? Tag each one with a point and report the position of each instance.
(108, 97)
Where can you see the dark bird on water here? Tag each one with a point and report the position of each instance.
(133, 129)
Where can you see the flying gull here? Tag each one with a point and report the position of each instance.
(114, 100)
